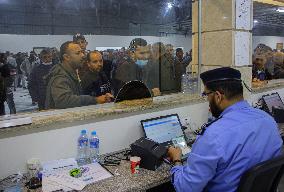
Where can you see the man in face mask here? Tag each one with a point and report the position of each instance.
(239, 138)
(133, 67)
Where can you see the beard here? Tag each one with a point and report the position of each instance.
(215, 110)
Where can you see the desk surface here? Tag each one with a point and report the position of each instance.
(126, 181)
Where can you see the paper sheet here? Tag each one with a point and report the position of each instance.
(56, 175)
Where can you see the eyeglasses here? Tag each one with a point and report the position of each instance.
(205, 94)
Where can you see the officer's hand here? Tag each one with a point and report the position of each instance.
(156, 92)
(174, 153)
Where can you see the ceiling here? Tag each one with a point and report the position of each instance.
(267, 21)
(116, 17)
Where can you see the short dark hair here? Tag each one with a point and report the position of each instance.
(45, 51)
(64, 48)
(137, 42)
(179, 50)
(92, 52)
(3, 58)
(230, 88)
(78, 37)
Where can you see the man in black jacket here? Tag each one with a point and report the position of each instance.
(37, 82)
(4, 73)
(93, 80)
(64, 85)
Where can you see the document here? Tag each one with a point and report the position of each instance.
(94, 172)
(56, 175)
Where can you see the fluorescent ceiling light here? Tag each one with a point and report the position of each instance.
(170, 5)
(280, 10)
(255, 21)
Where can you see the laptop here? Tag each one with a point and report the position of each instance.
(272, 100)
(167, 131)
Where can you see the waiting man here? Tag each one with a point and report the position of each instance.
(64, 89)
(180, 64)
(81, 41)
(37, 82)
(134, 67)
(93, 79)
(239, 138)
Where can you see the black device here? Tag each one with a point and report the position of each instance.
(133, 90)
(273, 105)
(34, 183)
(278, 114)
(150, 152)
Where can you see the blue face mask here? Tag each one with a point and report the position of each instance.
(141, 63)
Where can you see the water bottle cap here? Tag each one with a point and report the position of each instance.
(94, 133)
(83, 131)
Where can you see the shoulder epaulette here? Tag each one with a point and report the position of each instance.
(205, 125)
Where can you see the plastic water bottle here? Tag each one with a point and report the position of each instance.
(185, 84)
(192, 83)
(82, 150)
(94, 147)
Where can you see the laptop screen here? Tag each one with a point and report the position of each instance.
(273, 100)
(162, 129)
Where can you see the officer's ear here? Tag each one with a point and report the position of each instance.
(219, 96)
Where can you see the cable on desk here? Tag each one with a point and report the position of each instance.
(115, 159)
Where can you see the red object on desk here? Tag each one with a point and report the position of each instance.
(135, 164)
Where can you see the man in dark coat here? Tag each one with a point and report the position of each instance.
(134, 66)
(93, 79)
(37, 83)
(4, 73)
(64, 88)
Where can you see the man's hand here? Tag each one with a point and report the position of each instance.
(174, 153)
(104, 98)
(101, 99)
(156, 92)
(109, 97)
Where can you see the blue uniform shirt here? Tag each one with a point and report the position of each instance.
(243, 137)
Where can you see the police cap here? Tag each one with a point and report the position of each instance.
(220, 74)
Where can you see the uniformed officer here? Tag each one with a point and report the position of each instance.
(239, 138)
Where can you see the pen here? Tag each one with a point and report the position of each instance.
(87, 179)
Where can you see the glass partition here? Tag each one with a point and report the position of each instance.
(268, 39)
(70, 53)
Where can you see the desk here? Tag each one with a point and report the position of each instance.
(126, 181)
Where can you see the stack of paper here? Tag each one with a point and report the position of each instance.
(56, 175)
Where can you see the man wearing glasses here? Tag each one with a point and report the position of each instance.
(239, 138)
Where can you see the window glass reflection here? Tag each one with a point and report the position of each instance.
(268, 39)
(61, 54)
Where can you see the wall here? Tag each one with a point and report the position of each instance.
(267, 40)
(25, 43)
(114, 134)
(61, 143)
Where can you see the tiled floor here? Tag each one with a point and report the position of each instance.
(22, 101)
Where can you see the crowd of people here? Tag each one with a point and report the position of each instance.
(75, 76)
(267, 63)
